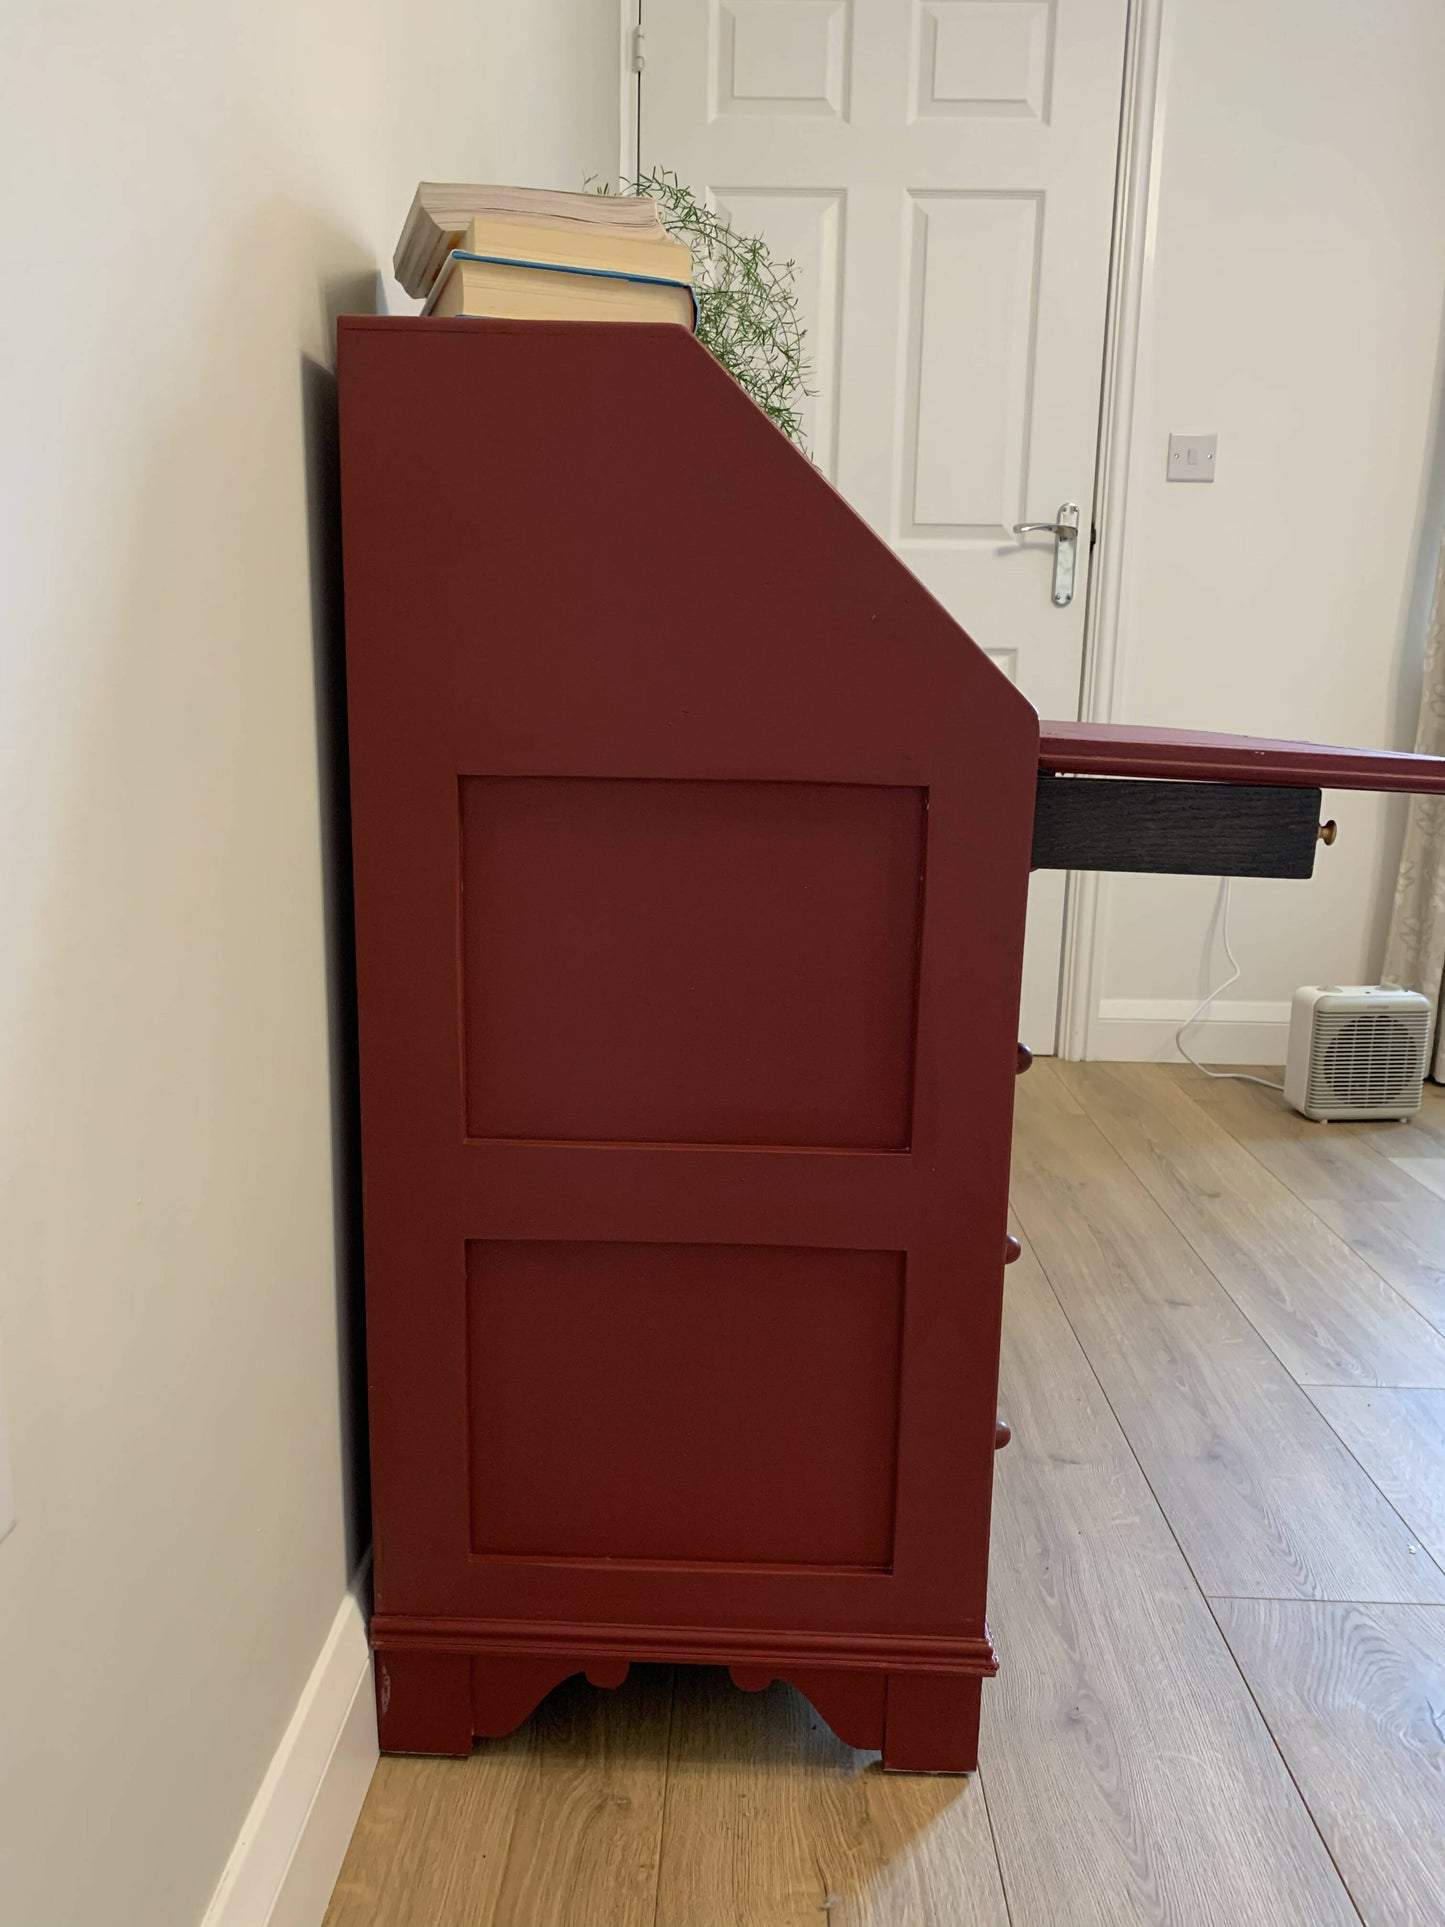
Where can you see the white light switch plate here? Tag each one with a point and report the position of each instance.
(7, 1484)
(1191, 457)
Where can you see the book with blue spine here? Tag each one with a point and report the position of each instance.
(532, 254)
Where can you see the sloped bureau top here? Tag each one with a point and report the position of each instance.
(553, 474)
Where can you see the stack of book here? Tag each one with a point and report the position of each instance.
(529, 254)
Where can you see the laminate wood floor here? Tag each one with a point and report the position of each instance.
(1218, 1590)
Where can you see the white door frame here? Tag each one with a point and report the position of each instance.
(629, 154)
(1135, 197)
(1140, 128)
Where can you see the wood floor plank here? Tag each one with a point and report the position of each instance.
(1399, 1438)
(1262, 1495)
(773, 1822)
(1417, 1147)
(1344, 1174)
(532, 1828)
(1327, 1315)
(1354, 1696)
(1421, 1136)
(589, 1819)
(1400, 1140)
(1429, 1171)
(1128, 1773)
(431, 1841)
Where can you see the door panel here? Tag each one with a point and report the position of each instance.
(983, 57)
(942, 171)
(972, 266)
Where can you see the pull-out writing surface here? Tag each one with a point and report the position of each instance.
(691, 844)
(1113, 796)
(1125, 749)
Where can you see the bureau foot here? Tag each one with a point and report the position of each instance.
(437, 1702)
(931, 1723)
(424, 1703)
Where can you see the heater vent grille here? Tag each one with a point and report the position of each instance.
(1367, 1060)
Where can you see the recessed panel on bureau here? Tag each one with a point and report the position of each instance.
(726, 1404)
(690, 962)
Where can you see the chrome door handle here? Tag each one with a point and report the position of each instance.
(1066, 543)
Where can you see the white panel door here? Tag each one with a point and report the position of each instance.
(942, 172)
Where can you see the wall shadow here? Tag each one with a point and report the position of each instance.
(353, 294)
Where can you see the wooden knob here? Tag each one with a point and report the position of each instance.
(1002, 1433)
(1026, 1057)
(1328, 832)
(1011, 1248)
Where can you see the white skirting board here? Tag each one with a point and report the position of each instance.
(290, 1848)
(1140, 1030)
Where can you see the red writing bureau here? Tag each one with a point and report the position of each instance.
(692, 840)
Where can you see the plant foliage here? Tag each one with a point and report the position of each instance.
(747, 301)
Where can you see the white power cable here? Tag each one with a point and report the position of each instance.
(1221, 917)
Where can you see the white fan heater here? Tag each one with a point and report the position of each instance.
(1357, 1050)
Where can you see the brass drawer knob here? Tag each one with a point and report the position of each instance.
(1327, 832)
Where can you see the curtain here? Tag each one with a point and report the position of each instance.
(1415, 952)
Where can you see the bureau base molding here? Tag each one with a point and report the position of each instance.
(441, 1683)
(686, 1645)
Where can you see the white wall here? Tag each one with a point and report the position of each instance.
(1292, 303)
(189, 195)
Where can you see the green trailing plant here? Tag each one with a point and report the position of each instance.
(747, 301)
